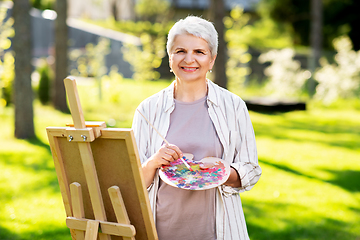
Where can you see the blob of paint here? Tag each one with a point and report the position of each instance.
(178, 175)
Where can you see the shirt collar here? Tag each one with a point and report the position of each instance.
(170, 94)
(212, 92)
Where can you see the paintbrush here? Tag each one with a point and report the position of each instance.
(186, 164)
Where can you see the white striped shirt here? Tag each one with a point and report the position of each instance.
(231, 119)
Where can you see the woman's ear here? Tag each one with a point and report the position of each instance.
(212, 61)
(170, 63)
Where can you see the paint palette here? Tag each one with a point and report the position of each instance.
(207, 173)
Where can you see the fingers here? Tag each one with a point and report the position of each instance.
(165, 155)
(174, 151)
(169, 153)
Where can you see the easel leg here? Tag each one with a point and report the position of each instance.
(92, 230)
(77, 206)
(78, 212)
(119, 207)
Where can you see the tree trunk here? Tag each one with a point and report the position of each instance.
(114, 10)
(61, 59)
(315, 40)
(216, 14)
(22, 92)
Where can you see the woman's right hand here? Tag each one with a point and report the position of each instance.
(164, 156)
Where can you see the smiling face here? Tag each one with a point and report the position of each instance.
(190, 58)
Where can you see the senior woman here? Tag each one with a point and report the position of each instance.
(196, 116)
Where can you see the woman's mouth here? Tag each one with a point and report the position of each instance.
(189, 69)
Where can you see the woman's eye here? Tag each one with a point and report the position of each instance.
(200, 52)
(180, 51)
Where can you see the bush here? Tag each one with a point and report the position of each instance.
(341, 79)
(286, 77)
(45, 82)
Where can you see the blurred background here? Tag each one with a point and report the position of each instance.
(296, 63)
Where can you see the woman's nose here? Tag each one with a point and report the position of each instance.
(189, 58)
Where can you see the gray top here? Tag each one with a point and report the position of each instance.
(186, 214)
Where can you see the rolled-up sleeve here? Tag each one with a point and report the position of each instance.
(246, 158)
(232, 122)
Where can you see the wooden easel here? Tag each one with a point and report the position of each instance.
(100, 178)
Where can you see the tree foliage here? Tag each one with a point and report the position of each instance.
(6, 58)
(91, 61)
(43, 4)
(238, 56)
(145, 60)
(152, 10)
(339, 18)
(148, 58)
(263, 33)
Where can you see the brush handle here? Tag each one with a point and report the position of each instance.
(153, 127)
(187, 165)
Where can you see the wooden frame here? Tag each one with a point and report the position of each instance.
(100, 178)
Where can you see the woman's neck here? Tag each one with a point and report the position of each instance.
(190, 91)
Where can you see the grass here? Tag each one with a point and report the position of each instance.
(310, 185)
(310, 159)
(30, 200)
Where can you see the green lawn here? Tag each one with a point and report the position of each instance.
(310, 187)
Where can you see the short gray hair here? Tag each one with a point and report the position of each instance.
(197, 27)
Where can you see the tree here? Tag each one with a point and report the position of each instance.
(339, 18)
(61, 58)
(217, 13)
(122, 10)
(315, 40)
(23, 95)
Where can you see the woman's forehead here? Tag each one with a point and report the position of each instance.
(190, 41)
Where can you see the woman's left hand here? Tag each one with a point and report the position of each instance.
(234, 179)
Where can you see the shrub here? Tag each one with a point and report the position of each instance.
(46, 76)
(286, 78)
(342, 78)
